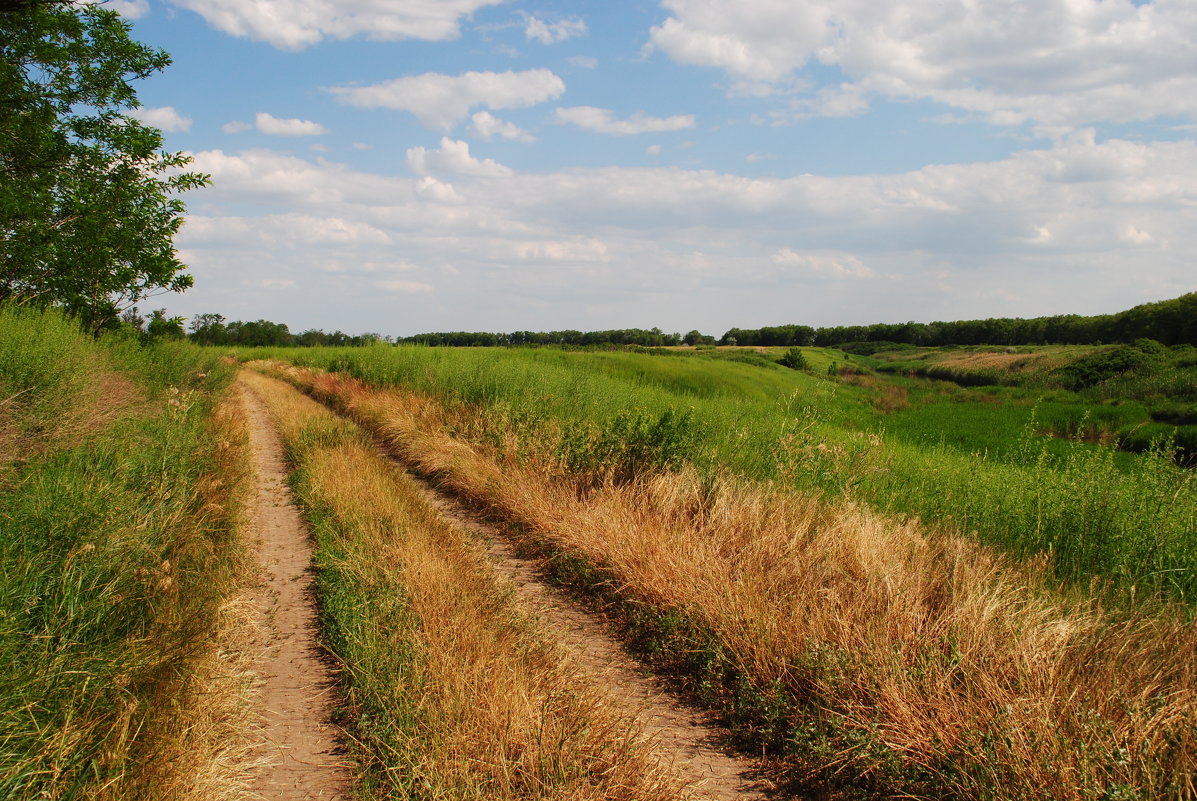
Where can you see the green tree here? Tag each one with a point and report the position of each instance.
(794, 359)
(88, 206)
(162, 327)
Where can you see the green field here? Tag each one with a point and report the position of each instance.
(1031, 468)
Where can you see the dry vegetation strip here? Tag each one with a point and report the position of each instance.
(866, 653)
(451, 692)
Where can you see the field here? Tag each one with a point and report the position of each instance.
(884, 583)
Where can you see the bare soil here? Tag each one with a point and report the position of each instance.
(300, 747)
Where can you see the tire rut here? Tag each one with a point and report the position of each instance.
(295, 699)
(686, 739)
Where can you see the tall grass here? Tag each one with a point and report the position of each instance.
(869, 657)
(452, 693)
(1125, 520)
(117, 550)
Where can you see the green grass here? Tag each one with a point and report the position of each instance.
(1127, 520)
(111, 559)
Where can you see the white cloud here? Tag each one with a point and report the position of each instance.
(577, 250)
(823, 263)
(585, 62)
(453, 157)
(553, 32)
(235, 126)
(296, 24)
(429, 188)
(1081, 225)
(165, 118)
(601, 120)
(131, 9)
(275, 126)
(268, 283)
(441, 101)
(404, 287)
(653, 150)
(485, 125)
(1054, 63)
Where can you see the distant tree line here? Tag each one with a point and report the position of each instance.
(212, 329)
(649, 338)
(1171, 322)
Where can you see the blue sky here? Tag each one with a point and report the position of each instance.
(413, 165)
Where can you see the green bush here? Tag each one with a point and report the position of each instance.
(794, 359)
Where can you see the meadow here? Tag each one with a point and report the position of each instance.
(886, 583)
(863, 654)
(1028, 471)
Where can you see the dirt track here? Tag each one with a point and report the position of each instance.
(299, 741)
(297, 683)
(685, 738)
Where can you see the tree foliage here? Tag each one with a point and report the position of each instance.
(88, 206)
(1172, 322)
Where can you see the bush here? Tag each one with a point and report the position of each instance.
(794, 359)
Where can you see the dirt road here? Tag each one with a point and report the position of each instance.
(300, 743)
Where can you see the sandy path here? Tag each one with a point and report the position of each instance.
(684, 737)
(299, 741)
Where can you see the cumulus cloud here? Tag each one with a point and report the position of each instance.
(485, 125)
(275, 126)
(165, 118)
(824, 264)
(441, 101)
(553, 32)
(236, 126)
(576, 249)
(1082, 224)
(1056, 63)
(601, 120)
(431, 189)
(454, 157)
(296, 24)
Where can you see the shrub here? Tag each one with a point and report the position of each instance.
(794, 359)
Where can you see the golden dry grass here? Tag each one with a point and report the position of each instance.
(1011, 362)
(913, 662)
(477, 703)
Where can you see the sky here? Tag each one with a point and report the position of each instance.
(400, 166)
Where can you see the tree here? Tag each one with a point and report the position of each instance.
(162, 327)
(87, 198)
(794, 359)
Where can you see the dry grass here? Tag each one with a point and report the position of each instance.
(205, 749)
(909, 662)
(100, 397)
(1039, 361)
(453, 693)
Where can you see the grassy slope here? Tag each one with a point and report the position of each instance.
(1128, 520)
(116, 554)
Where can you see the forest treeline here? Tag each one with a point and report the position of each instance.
(1171, 322)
